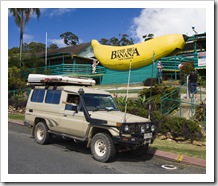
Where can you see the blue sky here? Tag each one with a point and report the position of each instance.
(97, 23)
(87, 24)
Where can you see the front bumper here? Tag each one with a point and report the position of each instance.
(133, 141)
(135, 137)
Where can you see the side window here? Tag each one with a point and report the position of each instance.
(38, 95)
(53, 96)
(72, 102)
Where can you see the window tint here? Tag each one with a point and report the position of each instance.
(38, 95)
(53, 96)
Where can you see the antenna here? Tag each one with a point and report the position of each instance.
(193, 28)
(46, 49)
(149, 116)
(127, 93)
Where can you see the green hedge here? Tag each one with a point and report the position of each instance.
(176, 126)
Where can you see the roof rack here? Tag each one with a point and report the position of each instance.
(41, 79)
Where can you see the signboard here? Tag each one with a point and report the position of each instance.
(202, 59)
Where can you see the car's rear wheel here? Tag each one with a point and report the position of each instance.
(41, 133)
(102, 147)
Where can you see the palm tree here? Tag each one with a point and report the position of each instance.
(22, 16)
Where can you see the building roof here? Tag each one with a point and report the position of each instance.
(71, 50)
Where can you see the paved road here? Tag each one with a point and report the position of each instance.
(67, 157)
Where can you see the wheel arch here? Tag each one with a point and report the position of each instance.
(37, 120)
(94, 130)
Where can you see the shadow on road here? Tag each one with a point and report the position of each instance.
(80, 147)
(70, 145)
(124, 156)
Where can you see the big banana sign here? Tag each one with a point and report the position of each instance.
(119, 57)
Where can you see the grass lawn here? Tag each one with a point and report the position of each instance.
(16, 117)
(180, 148)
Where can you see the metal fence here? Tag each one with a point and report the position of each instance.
(66, 69)
(169, 102)
(189, 108)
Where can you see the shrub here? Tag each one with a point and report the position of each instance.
(185, 70)
(159, 90)
(200, 112)
(178, 127)
(11, 101)
(136, 110)
(18, 101)
(14, 79)
(150, 81)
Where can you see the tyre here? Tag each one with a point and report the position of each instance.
(102, 147)
(41, 133)
(138, 151)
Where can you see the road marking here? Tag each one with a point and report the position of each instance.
(169, 167)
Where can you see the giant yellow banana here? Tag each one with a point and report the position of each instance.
(140, 55)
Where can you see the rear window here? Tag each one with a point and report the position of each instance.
(53, 96)
(38, 95)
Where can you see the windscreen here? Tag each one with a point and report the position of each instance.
(95, 102)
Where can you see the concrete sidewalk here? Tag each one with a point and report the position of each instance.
(162, 154)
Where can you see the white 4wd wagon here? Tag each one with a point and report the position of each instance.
(95, 119)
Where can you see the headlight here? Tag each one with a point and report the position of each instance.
(126, 128)
(143, 129)
(153, 128)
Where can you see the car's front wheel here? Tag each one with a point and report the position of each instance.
(41, 133)
(102, 147)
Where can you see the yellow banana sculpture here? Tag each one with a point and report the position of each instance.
(140, 55)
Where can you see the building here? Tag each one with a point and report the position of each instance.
(77, 61)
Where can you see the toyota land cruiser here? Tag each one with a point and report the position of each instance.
(95, 119)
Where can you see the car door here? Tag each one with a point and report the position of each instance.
(72, 122)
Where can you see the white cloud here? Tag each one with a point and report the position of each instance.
(81, 41)
(59, 42)
(60, 11)
(169, 21)
(27, 38)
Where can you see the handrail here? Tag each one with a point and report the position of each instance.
(172, 62)
(168, 104)
(66, 69)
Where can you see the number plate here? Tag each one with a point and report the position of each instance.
(147, 135)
